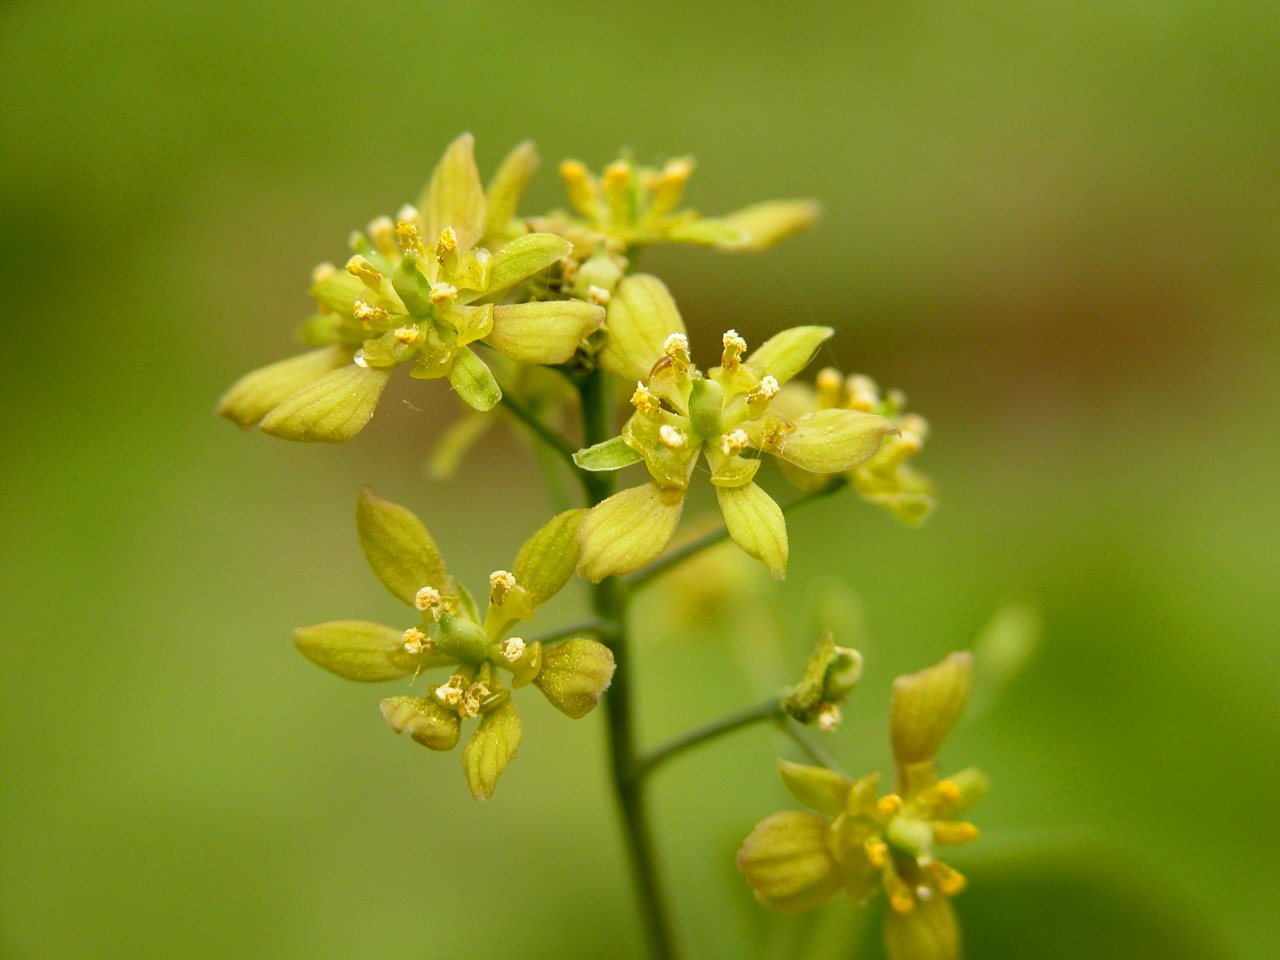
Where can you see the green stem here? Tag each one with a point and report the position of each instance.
(678, 556)
(609, 600)
(766, 710)
(553, 441)
(811, 749)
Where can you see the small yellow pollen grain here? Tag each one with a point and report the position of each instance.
(676, 345)
(370, 275)
(410, 336)
(441, 292)
(367, 313)
(322, 271)
(671, 436)
(447, 241)
(950, 881)
(643, 400)
(877, 853)
(512, 649)
(598, 295)
(734, 442)
(409, 237)
(415, 640)
(889, 804)
(901, 899)
(829, 718)
(948, 791)
(428, 598)
(382, 232)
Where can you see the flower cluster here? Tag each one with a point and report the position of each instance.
(420, 290)
(725, 416)
(862, 841)
(480, 651)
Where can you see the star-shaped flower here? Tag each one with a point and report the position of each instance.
(482, 653)
(420, 290)
(861, 841)
(725, 417)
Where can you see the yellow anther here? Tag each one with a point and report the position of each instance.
(450, 692)
(415, 641)
(678, 170)
(409, 238)
(512, 649)
(734, 347)
(407, 212)
(901, 899)
(676, 346)
(830, 386)
(472, 700)
(734, 442)
(643, 400)
(367, 313)
(889, 805)
(598, 295)
(877, 852)
(617, 176)
(829, 718)
(410, 336)
(322, 271)
(383, 234)
(369, 275)
(671, 436)
(954, 832)
(948, 791)
(768, 387)
(863, 393)
(950, 881)
(447, 241)
(428, 598)
(501, 583)
(440, 292)
(582, 192)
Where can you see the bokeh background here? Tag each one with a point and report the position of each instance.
(1056, 226)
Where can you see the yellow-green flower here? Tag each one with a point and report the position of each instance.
(420, 290)
(861, 841)
(725, 417)
(627, 206)
(483, 655)
(886, 478)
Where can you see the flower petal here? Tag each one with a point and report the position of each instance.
(490, 749)
(831, 441)
(574, 675)
(332, 409)
(508, 186)
(756, 524)
(522, 258)
(473, 381)
(454, 197)
(785, 354)
(816, 787)
(787, 863)
(548, 558)
(543, 332)
(425, 719)
(764, 225)
(928, 932)
(628, 530)
(256, 394)
(926, 706)
(641, 315)
(398, 547)
(359, 650)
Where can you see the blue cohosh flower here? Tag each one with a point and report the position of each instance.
(481, 652)
(861, 841)
(630, 206)
(420, 290)
(886, 478)
(725, 416)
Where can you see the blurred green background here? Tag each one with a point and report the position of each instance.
(1056, 226)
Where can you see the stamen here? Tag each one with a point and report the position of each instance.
(889, 805)
(440, 292)
(382, 232)
(734, 347)
(676, 346)
(407, 212)
(954, 832)
(671, 436)
(450, 692)
(582, 192)
(829, 718)
(368, 314)
(428, 598)
(368, 274)
(447, 242)
(734, 443)
(877, 852)
(512, 649)
(501, 583)
(409, 237)
(768, 388)
(863, 392)
(948, 791)
(415, 641)
(410, 336)
(643, 400)
(830, 385)
(598, 295)
(950, 881)
(322, 271)
(901, 899)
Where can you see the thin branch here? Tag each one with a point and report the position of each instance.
(593, 627)
(765, 710)
(802, 740)
(540, 430)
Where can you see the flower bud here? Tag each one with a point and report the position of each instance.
(926, 706)
(787, 862)
(490, 749)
